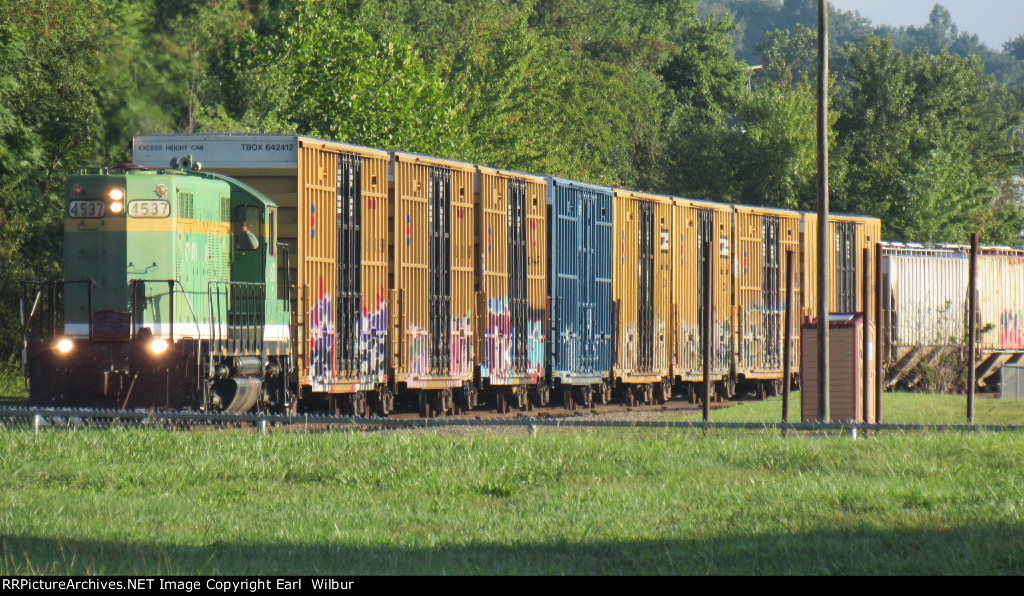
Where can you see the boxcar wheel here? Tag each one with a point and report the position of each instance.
(542, 396)
(587, 396)
(663, 391)
(424, 404)
(647, 391)
(384, 403)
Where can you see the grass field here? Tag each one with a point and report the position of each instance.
(897, 408)
(13, 391)
(566, 502)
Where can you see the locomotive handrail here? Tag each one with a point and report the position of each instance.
(253, 296)
(26, 321)
(170, 283)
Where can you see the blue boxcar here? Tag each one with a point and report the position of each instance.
(580, 288)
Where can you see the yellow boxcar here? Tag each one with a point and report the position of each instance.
(761, 238)
(432, 283)
(341, 218)
(693, 222)
(511, 283)
(850, 235)
(642, 254)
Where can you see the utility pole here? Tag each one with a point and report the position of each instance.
(823, 229)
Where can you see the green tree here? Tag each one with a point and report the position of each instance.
(706, 83)
(317, 74)
(49, 124)
(925, 141)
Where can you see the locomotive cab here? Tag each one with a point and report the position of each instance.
(162, 306)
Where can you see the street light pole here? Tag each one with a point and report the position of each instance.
(823, 228)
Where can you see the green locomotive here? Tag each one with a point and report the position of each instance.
(171, 297)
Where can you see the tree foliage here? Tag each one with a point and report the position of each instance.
(925, 139)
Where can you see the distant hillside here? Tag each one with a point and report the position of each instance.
(754, 18)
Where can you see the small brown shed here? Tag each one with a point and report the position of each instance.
(846, 372)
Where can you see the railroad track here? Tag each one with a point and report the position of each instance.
(312, 421)
(614, 417)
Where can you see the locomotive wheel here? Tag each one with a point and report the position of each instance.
(631, 396)
(604, 393)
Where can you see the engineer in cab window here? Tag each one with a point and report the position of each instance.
(244, 238)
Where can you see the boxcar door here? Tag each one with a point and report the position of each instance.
(585, 315)
(517, 273)
(440, 241)
(771, 299)
(846, 266)
(705, 233)
(349, 238)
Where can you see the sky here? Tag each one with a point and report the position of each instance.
(993, 21)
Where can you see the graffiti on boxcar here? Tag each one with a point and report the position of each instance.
(497, 340)
(372, 338)
(419, 352)
(462, 346)
(1011, 330)
(691, 357)
(631, 348)
(762, 335)
(535, 349)
(321, 338)
(660, 352)
(461, 351)
(500, 340)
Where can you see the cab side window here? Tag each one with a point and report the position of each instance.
(246, 224)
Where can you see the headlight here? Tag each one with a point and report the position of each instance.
(116, 197)
(158, 346)
(65, 345)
